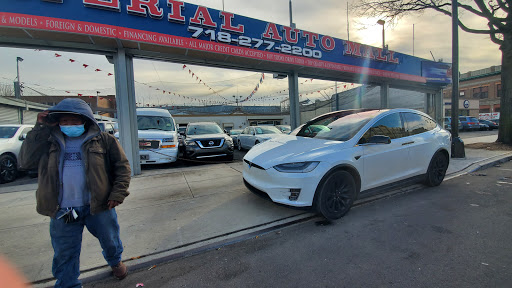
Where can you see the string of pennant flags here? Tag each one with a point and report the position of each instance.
(199, 80)
(193, 74)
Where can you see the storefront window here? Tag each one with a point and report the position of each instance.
(498, 86)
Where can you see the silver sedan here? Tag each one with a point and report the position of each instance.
(253, 135)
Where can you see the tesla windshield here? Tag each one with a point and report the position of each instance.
(340, 126)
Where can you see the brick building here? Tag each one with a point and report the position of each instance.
(102, 105)
(479, 92)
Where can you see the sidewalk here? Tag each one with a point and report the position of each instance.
(169, 214)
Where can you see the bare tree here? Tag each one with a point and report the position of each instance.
(499, 28)
(6, 90)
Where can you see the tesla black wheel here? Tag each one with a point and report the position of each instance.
(335, 195)
(436, 170)
(8, 170)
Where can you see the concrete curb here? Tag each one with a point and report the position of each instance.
(482, 164)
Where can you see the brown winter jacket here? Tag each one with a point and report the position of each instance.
(107, 170)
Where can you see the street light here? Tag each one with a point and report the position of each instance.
(18, 60)
(97, 101)
(236, 100)
(382, 22)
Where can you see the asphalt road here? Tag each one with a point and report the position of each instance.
(454, 235)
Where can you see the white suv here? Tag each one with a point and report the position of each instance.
(11, 138)
(338, 156)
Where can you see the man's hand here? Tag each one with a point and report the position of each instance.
(112, 204)
(42, 117)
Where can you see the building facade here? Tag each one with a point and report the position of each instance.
(479, 92)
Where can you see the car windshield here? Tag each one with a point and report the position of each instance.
(267, 130)
(340, 126)
(155, 122)
(201, 129)
(8, 132)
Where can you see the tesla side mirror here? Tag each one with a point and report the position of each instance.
(379, 139)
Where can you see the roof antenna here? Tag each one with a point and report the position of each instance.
(432, 56)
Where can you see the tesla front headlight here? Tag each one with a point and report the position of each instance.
(297, 167)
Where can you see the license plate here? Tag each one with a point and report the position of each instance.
(144, 157)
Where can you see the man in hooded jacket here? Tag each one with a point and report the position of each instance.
(83, 175)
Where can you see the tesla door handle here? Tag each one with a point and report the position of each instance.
(407, 143)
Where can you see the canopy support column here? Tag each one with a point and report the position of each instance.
(293, 87)
(126, 108)
(384, 96)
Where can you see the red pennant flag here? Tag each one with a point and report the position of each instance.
(68, 92)
(189, 71)
(184, 66)
(57, 55)
(192, 74)
(344, 86)
(80, 94)
(97, 70)
(163, 92)
(85, 65)
(109, 74)
(71, 60)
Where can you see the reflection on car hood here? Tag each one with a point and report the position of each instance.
(155, 134)
(287, 148)
(205, 136)
(269, 136)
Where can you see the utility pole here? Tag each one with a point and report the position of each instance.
(457, 144)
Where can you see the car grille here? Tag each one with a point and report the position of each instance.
(149, 144)
(253, 165)
(211, 143)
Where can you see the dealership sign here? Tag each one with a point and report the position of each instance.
(184, 25)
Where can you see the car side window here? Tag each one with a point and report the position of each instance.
(416, 123)
(390, 126)
(246, 131)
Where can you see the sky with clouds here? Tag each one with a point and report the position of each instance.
(50, 75)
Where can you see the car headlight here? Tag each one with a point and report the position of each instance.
(190, 143)
(297, 167)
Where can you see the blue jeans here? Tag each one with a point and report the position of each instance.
(67, 242)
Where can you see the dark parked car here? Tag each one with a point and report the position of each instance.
(207, 140)
(491, 123)
(469, 123)
(448, 124)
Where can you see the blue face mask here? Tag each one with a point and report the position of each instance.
(73, 130)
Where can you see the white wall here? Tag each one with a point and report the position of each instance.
(235, 121)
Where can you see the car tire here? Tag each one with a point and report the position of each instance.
(239, 146)
(8, 168)
(436, 170)
(335, 195)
